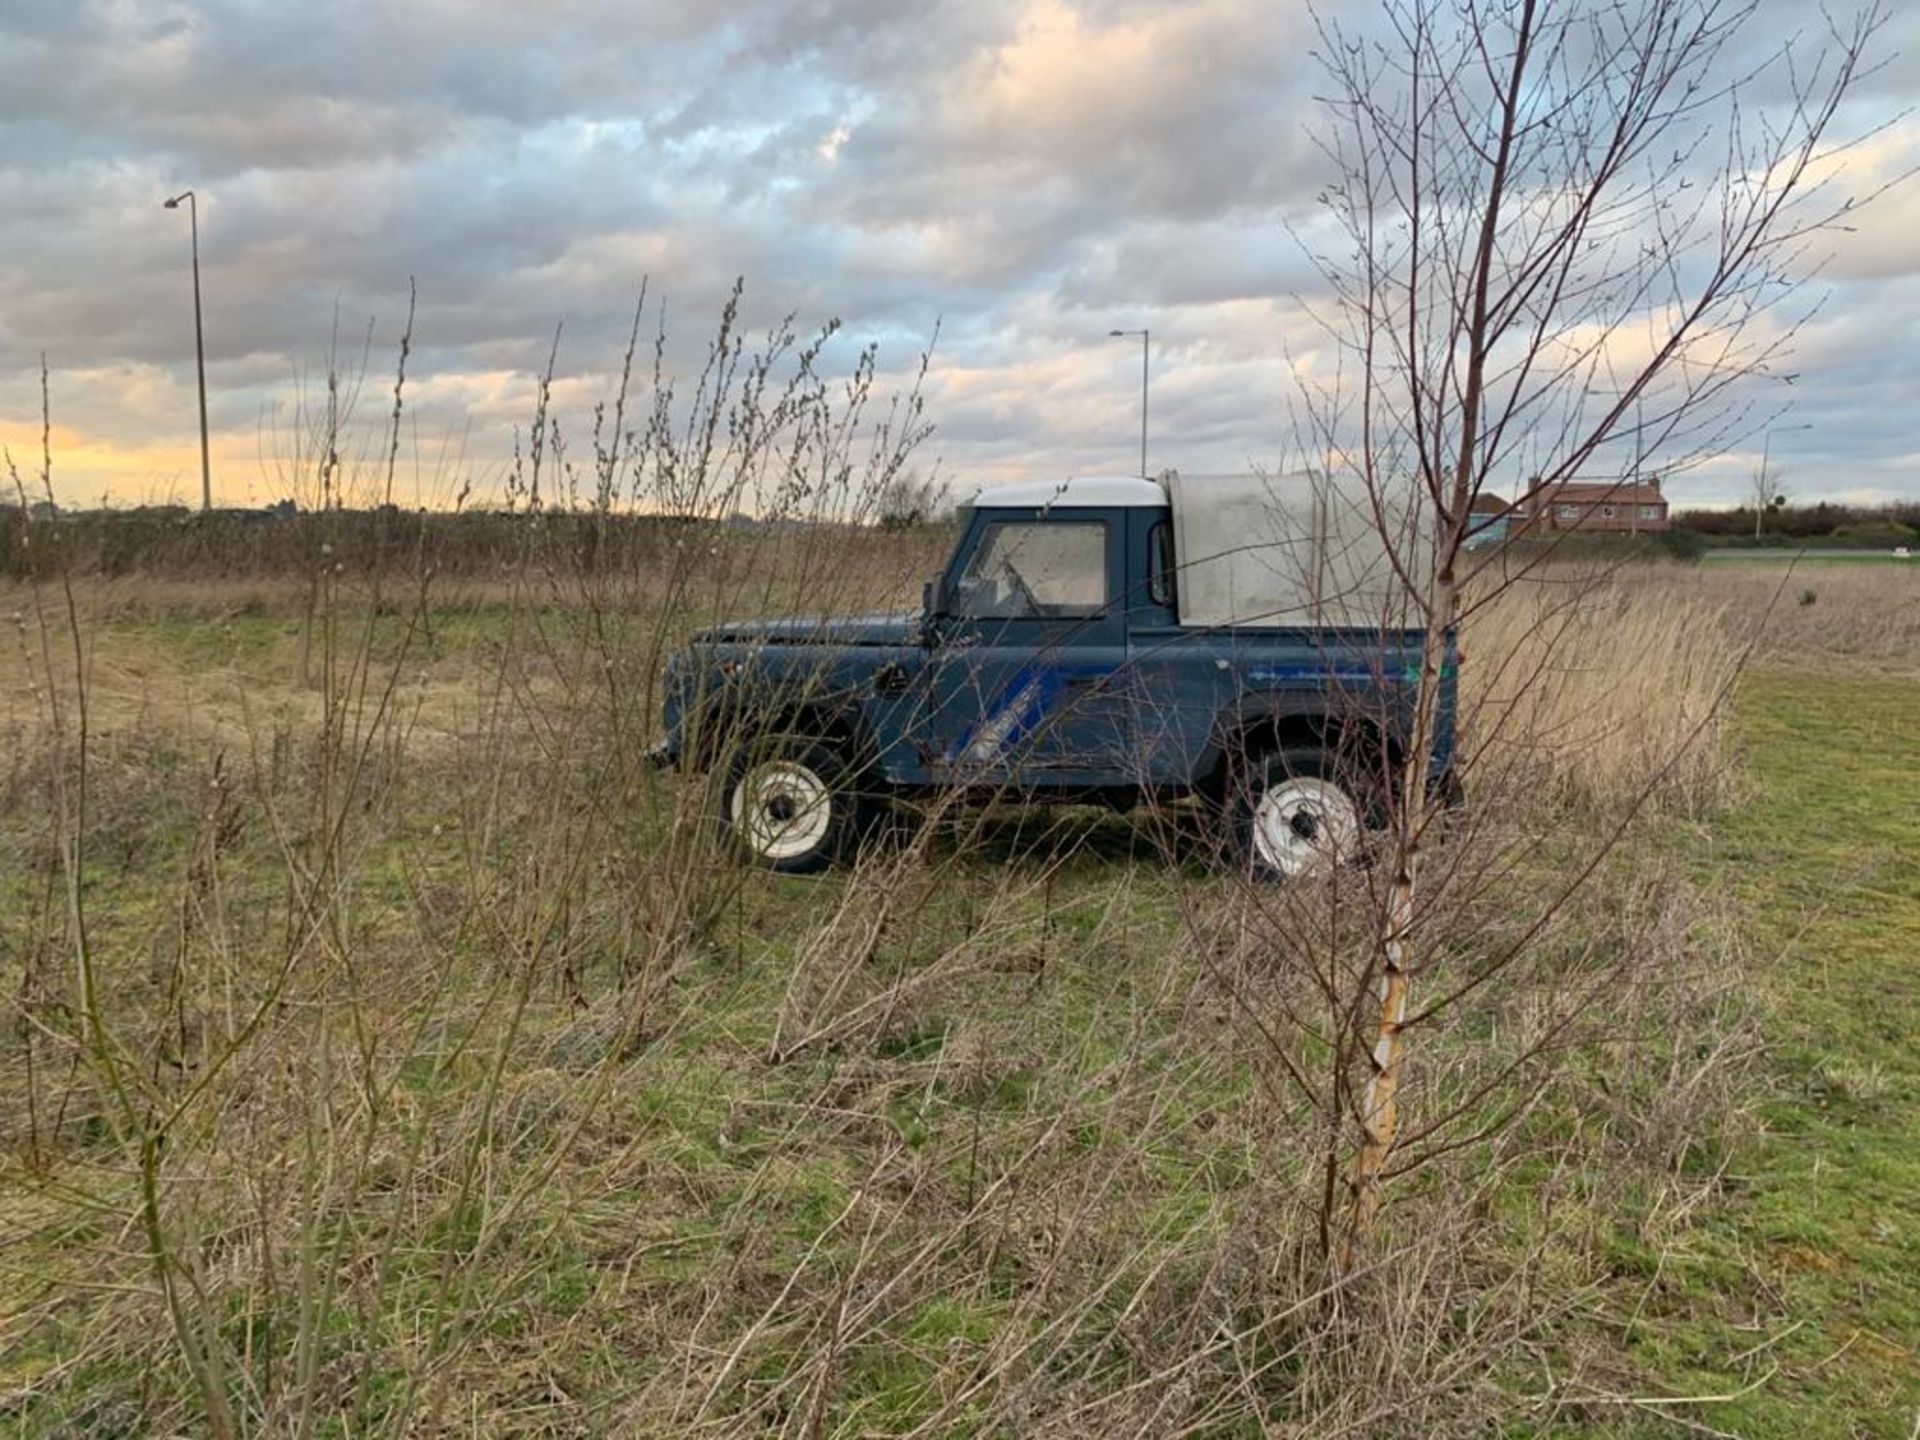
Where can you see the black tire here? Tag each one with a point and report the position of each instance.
(788, 804)
(1293, 813)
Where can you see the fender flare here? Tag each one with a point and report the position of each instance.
(1275, 719)
(833, 715)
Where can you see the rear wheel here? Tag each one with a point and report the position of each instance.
(1296, 815)
(789, 805)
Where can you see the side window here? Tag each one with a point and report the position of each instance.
(1160, 563)
(1036, 568)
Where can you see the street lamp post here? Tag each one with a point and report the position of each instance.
(199, 344)
(1120, 335)
(1763, 496)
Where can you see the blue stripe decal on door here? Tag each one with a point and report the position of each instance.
(1019, 709)
(1315, 673)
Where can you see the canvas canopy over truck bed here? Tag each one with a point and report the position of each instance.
(1299, 549)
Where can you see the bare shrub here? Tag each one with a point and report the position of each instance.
(315, 1105)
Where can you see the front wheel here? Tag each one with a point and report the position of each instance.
(789, 805)
(1296, 815)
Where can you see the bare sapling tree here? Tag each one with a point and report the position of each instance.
(1563, 242)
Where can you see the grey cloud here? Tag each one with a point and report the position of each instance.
(1189, 263)
(1136, 163)
(1202, 120)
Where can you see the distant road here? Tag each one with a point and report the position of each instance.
(1782, 553)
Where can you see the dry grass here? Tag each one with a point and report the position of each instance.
(489, 1099)
(219, 663)
(1594, 688)
(1823, 611)
(1593, 684)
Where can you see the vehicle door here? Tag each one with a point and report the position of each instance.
(1022, 685)
(1178, 679)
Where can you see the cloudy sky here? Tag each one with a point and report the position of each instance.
(1027, 173)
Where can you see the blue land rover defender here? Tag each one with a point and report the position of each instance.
(1108, 640)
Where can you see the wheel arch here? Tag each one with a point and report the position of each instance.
(1252, 732)
(741, 718)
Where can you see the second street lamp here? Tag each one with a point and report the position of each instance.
(1763, 495)
(199, 344)
(1121, 335)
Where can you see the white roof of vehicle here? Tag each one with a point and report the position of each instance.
(1080, 490)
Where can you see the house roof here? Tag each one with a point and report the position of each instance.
(1583, 492)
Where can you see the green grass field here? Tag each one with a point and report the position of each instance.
(1824, 1219)
(545, 1128)
(1792, 1307)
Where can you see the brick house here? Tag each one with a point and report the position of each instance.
(1624, 506)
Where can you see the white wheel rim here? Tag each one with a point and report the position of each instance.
(781, 809)
(1305, 824)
